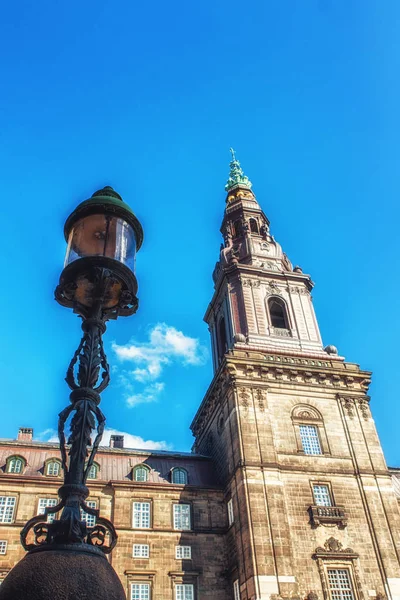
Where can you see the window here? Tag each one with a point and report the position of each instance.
(222, 343)
(231, 517)
(141, 473)
(309, 439)
(236, 590)
(277, 313)
(43, 503)
(140, 591)
(340, 584)
(141, 515)
(15, 465)
(182, 516)
(253, 226)
(322, 496)
(7, 507)
(90, 519)
(237, 228)
(183, 552)
(3, 546)
(140, 551)
(184, 591)
(53, 468)
(93, 472)
(179, 475)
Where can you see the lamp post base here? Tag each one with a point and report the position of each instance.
(63, 572)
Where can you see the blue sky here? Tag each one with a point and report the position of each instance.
(148, 98)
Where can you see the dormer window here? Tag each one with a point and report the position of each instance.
(93, 471)
(277, 313)
(179, 475)
(141, 473)
(53, 468)
(15, 464)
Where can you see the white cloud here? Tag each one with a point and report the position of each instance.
(130, 440)
(166, 346)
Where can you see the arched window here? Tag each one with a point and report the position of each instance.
(179, 475)
(309, 430)
(277, 313)
(53, 468)
(222, 343)
(141, 473)
(15, 464)
(237, 228)
(253, 226)
(94, 468)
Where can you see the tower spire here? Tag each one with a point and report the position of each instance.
(236, 175)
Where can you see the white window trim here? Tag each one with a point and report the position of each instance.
(141, 583)
(3, 545)
(236, 590)
(53, 462)
(89, 519)
(43, 503)
(180, 552)
(178, 514)
(13, 507)
(146, 553)
(231, 516)
(183, 587)
(308, 440)
(143, 515)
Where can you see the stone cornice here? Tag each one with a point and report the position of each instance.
(246, 370)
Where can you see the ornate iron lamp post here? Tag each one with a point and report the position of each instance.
(66, 559)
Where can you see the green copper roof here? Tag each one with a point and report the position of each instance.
(236, 175)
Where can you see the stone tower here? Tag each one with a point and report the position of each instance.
(312, 511)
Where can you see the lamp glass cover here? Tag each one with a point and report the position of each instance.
(102, 235)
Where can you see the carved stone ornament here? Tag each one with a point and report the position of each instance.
(312, 596)
(348, 406)
(334, 548)
(260, 399)
(363, 406)
(244, 398)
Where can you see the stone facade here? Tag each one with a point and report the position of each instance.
(287, 493)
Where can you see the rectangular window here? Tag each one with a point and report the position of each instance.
(3, 546)
(53, 469)
(90, 519)
(184, 591)
(183, 552)
(7, 507)
(231, 517)
(340, 584)
(309, 439)
(141, 515)
(140, 551)
(321, 495)
(182, 516)
(236, 590)
(43, 503)
(140, 591)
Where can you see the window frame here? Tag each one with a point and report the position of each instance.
(15, 457)
(140, 583)
(308, 443)
(180, 504)
(184, 585)
(141, 556)
(285, 309)
(231, 514)
(96, 468)
(54, 501)
(330, 494)
(348, 570)
(305, 414)
(89, 519)
(136, 468)
(48, 462)
(236, 590)
(14, 509)
(4, 544)
(183, 546)
(141, 502)
(180, 470)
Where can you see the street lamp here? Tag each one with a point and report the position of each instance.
(66, 559)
